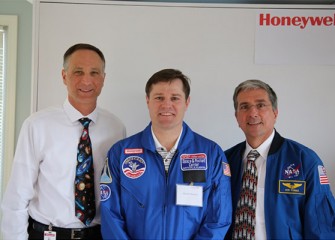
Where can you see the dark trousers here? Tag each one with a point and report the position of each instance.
(36, 232)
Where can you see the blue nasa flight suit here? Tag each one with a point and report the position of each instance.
(296, 204)
(138, 198)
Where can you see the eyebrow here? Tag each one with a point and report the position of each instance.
(91, 69)
(257, 101)
(173, 94)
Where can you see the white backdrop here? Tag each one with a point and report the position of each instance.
(211, 43)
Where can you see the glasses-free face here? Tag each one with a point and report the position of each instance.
(84, 78)
(167, 105)
(255, 115)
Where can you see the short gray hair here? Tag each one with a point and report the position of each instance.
(256, 84)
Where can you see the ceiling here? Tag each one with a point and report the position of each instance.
(317, 2)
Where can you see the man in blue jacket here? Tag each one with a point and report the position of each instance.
(294, 200)
(166, 182)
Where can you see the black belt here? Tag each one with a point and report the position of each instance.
(67, 233)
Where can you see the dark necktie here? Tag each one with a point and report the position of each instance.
(84, 182)
(245, 216)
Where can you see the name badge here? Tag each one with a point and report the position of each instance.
(194, 161)
(292, 187)
(49, 235)
(188, 195)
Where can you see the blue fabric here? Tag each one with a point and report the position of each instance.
(297, 205)
(145, 207)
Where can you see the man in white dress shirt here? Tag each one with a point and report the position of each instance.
(39, 199)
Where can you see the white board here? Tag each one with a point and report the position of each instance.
(211, 43)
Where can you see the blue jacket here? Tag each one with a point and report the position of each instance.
(138, 199)
(298, 202)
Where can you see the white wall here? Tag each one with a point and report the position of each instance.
(213, 44)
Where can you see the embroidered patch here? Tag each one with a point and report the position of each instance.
(106, 176)
(133, 151)
(195, 161)
(226, 169)
(133, 167)
(105, 192)
(292, 187)
(291, 171)
(323, 175)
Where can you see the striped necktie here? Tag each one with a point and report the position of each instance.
(245, 216)
(84, 181)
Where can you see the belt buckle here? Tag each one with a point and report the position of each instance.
(74, 233)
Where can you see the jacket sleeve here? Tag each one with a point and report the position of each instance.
(113, 225)
(219, 213)
(319, 220)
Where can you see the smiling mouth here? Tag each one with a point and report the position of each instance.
(253, 124)
(166, 114)
(85, 91)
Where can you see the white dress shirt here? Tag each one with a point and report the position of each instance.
(263, 150)
(43, 172)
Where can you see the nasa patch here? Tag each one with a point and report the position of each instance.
(105, 192)
(133, 167)
(291, 171)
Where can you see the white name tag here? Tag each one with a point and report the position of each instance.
(188, 195)
(49, 235)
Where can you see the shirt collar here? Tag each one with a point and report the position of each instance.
(73, 114)
(159, 146)
(263, 149)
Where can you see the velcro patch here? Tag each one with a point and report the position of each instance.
(194, 161)
(292, 187)
(133, 151)
(133, 167)
(105, 192)
(226, 169)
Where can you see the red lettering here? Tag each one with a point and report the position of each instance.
(327, 21)
(285, 21)
(298, 21)
(305, 21)
(275, 21)
(266, 19)
(316, 21)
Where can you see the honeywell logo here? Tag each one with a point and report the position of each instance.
(297, 21)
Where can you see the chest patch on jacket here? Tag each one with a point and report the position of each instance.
(291, 171)
(194, 161)
(292, 187)
(133, 167)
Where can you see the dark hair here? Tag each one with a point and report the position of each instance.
(82, 46)
(168, 75)
(256, 84)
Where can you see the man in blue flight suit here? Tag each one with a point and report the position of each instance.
(166, 182)
(294, 200)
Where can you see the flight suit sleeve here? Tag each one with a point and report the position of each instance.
(319, 220)
(113, 225)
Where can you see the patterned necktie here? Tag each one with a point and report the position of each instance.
(245, 218)
(84, 182)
